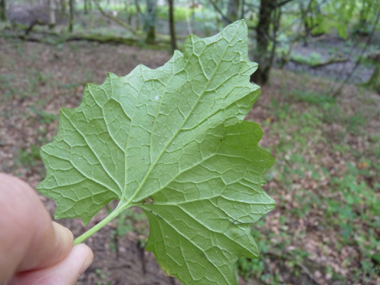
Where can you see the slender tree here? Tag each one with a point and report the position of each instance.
(189, 18)
(364, 15)
(3, 8)
(233, 10)
(139, 15)
(266, 33)
(150, 21)
(262, 55)
(374, 82)
(173, 41)
(52, 21)
(63, 6)
(242, 7)
(71, 20)
(85, 7)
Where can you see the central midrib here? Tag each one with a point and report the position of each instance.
(175, 135)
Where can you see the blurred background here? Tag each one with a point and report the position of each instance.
(319, 108)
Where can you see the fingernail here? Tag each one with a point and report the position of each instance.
(64, 233)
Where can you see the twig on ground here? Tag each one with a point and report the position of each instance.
(301, 265)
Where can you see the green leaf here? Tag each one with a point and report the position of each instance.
(174, 142)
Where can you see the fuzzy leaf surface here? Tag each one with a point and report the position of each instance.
(174, 142)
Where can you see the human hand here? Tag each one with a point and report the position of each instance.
(33, 249)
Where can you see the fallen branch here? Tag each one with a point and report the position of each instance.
(304, 268)
(301, 265)
(330, 61)
(321, 63)
(104, 39)
(34, 23)
(373, 56)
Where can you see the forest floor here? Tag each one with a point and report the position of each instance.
(326, 226)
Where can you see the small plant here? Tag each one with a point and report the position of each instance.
(29, 156)
(103, 276)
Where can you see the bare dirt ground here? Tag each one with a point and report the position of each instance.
(37, 80)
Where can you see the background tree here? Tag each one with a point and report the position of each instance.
(71, 18)
(173, 40)
(85, 6)
(3, 10)
(52, 21)
(266, 31)
(233, 10)
(374, 82)
(150, 21)
(269, 14)
(63, 6)
(365, 12)
(140, 17)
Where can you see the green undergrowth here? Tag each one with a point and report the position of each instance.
(130, 221)
(338, 196)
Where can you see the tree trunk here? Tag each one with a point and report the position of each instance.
(305, 22)
(242, 7)
(129, 14)
(232, 10)
(173, 41)
(71, 20)
(85, 7)
(3, 10)
(63, 6)
(262, 55)
(139, 15)
(51, 14)
(188, 19)
(150, 21)
(363, 16)
(374, 82)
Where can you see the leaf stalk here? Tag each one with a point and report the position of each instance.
(120, 208)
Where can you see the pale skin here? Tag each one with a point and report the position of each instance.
(33, 249)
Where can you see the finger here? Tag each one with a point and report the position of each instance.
(65, 272)
(28, 237)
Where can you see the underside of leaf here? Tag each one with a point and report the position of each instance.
(174, 142)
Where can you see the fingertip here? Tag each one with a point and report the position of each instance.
(58, 245)
(64, 237)
(88, 256)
